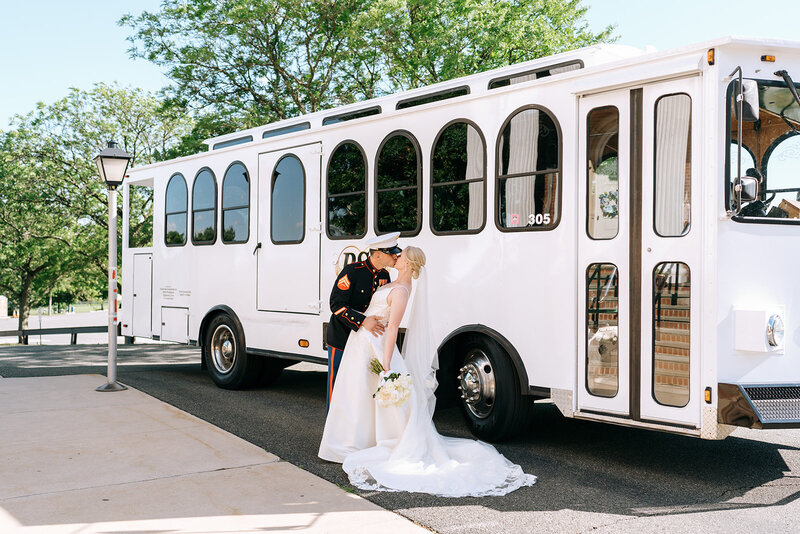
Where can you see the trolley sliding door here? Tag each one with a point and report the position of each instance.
(671, 253)
(603, 254)
(639, 254)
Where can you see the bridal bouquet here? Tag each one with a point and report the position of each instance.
(395, 388)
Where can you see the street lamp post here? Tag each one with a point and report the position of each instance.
(112, 164)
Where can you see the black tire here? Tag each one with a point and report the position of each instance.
(225, 357)
(447, 391)
(494, 413)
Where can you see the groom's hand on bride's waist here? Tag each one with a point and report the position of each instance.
(372, 323)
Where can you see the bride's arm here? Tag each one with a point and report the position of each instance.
(397, 306)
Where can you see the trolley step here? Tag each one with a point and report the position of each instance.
(760, 405)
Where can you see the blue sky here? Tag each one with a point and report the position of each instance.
(49, 46)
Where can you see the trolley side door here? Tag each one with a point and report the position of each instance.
(671, 252)
(289, 230)
(604, 273)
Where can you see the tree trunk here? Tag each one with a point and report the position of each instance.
(24, 305)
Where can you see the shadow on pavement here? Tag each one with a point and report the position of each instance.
(582, 466)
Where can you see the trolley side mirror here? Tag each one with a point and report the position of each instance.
(749, 96)
(748, 186)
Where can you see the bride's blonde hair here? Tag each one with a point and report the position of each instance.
(415, 258)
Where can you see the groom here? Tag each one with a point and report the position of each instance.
(351, 295)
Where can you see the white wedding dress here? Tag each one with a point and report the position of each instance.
(398, 448)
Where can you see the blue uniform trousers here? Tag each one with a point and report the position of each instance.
(334, 358)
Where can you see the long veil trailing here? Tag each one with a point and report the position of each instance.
(420, 353)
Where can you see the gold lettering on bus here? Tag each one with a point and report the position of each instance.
(350, 254)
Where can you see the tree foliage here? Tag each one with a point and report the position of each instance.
(252, 59)
(55, 207)
(35, 239)
(205, 126)
(429, 41)
(263, 60)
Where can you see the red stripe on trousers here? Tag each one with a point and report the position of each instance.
(330, 373)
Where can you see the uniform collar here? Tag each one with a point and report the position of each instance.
(371, 267)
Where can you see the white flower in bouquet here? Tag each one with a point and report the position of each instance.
(395, 389)
(405, 382)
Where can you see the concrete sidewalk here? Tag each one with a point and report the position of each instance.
(75, 460)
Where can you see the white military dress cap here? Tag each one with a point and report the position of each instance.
(385, 243)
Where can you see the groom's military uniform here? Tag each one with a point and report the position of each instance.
(350, 298)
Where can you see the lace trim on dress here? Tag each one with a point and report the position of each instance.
(361, 478)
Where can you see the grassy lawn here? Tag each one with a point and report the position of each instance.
(78, 307)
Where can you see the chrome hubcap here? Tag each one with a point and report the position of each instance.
(223, 349)
(477, 383)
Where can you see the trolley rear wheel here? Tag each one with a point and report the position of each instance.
(225, 357)
(491, 400)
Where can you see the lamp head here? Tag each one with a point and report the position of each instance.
(112, 164)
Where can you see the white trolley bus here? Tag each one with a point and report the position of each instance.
(618, 231)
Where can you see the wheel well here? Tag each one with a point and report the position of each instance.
(214, 312)
(449, 349)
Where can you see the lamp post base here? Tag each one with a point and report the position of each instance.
(111, 386)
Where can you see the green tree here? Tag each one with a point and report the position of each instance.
(56, 206)
(205, 126)
(429, 41)
(35, 237)
(257, 61)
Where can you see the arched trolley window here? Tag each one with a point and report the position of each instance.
(287, 219)
(528, 191)
(204, 208)
(347, 192)
(175, 209)
(458, 180)
(397, 196)
(780, 177)
(236, 204)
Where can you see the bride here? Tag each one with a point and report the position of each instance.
(397, 448)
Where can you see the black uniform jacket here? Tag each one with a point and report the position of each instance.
(350, 297)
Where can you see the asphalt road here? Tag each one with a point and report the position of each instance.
(592, 477)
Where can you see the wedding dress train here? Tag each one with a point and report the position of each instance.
(397, 448)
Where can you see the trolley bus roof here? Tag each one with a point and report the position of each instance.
(592, 59)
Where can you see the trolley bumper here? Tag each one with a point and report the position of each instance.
(760, 406)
